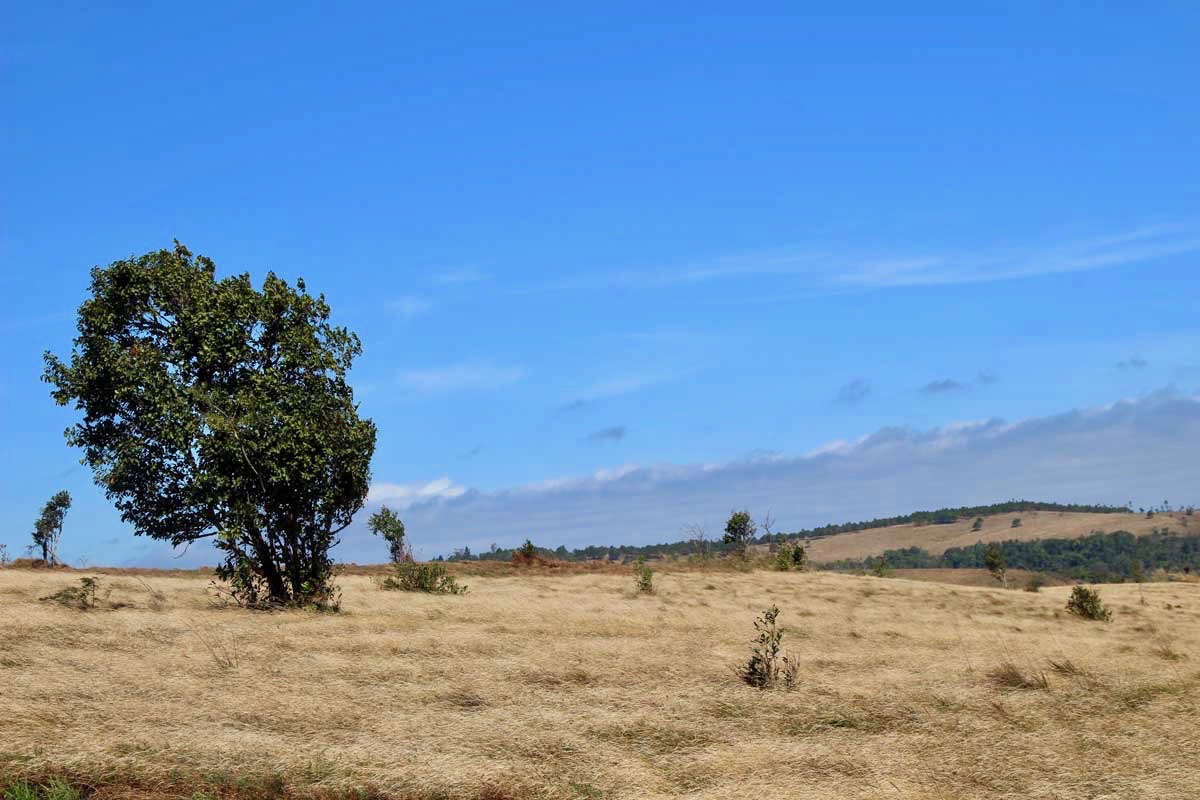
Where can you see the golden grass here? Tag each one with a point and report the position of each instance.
(996, 528)
(575, 686)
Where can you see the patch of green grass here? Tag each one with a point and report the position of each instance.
(55, 790)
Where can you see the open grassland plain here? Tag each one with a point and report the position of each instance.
(574, 685)
(936, 539)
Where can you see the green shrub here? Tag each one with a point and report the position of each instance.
(1086, 603)
(768, 666)
(881, 568)
(1035, 583)
(643, 576)
(412, 576)
(790, 556)
(977, 524)
(1016, 523)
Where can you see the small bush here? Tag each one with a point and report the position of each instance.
(768, 666)
(1016, 523)
(412, 576)
(85, 597)
(791, 556)
(643, 576)
(1035, 583)
(881, 568)
(1086, 603)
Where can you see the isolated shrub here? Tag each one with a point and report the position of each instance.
(47, 530)
(881, 569)
(643, 576)
(215, 410)
(768, 666)
(1016, 523)
(739, 530)
(84, 597)
(1035, 583)
(977, 524)
(387, 523)
(993, 559)
(1085, 602)
(431, 577)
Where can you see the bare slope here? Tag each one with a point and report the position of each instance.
(575, 687)
(1034, 525)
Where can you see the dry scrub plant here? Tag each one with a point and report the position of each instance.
(85, 597)
(768, 666)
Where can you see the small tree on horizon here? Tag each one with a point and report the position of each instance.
(739, 530)
(387, 524)
(47, 530)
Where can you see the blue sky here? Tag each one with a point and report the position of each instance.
(587, 249)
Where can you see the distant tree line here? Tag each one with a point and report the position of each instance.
(1096, 558)
(699, 544)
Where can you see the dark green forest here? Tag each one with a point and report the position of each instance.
(1096, 558)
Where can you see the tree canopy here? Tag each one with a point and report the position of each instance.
(47, 530)
(212, 410)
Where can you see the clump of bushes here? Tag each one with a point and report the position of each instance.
(791, 556)
(643, 576)
(1085, 602)
(768, 666)
(85, 597)
(527, 556)
(412, 576)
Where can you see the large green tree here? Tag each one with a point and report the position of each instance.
(213, 410)
(739, 532)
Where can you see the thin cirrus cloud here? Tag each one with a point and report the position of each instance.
(853, 393)
(943, 386)
(616, 386)
(613, 434)
(461, 378)
(409, 306)
(1133, 362)
(457, 276)
(838, 269)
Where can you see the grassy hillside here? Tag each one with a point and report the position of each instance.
(998, 527)
(574, 686)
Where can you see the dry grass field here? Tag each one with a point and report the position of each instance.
(574, 686)
(936, 539)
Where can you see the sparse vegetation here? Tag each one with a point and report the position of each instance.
(429, 577)
(768, 666)
(548, 671)
(977, 525)
(643, 576)
(790, 555)
(86, 596)
(1016, 523)
(1085, 602)
(993, 559)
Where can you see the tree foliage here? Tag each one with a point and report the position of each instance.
(739, 531)
(387, 523)
(212, 410)
(47, 530)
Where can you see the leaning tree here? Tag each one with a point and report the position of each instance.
(47, 529)
(213, 410)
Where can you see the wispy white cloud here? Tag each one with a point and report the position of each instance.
(618, 386)
(461, 377)
(834, 268)
(403, 495)
(409, 306)
(457, 276)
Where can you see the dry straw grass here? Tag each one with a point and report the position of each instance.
(575, 686)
